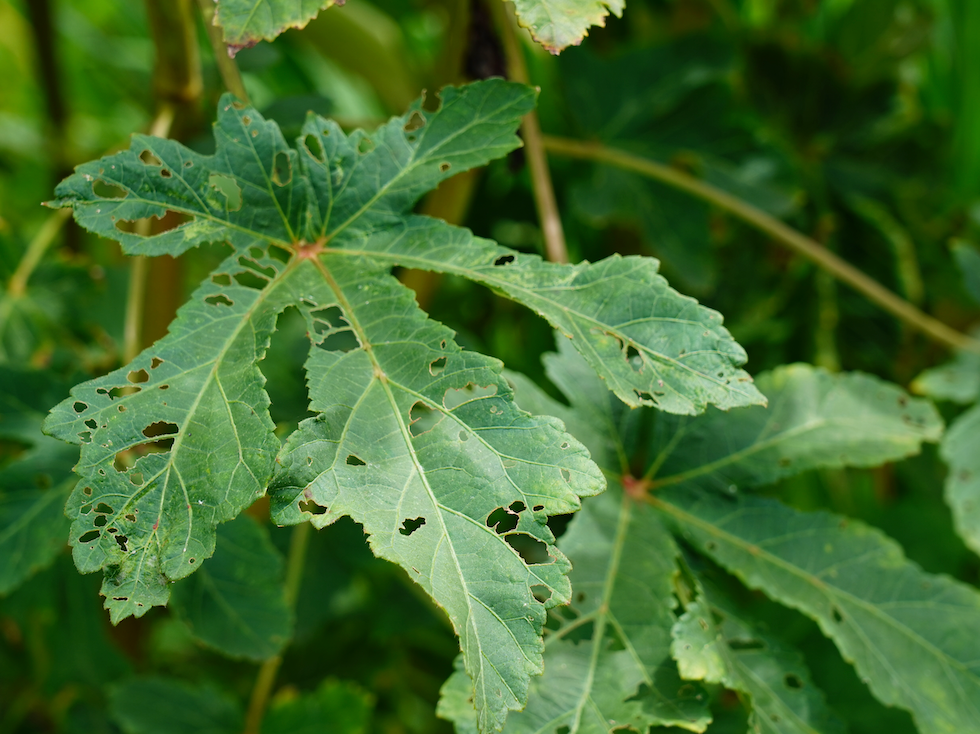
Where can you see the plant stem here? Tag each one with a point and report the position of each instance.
(227, 67)
(267, 673)
(537, 161)
(139, 267)
(17, 284)
(782, 233)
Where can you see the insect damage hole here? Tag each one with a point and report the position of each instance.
(355, 460)
(409, 526)
(148, 158)
(89, 536)
(219, 300)
(106, 190)
(313, 147)
(541, 592)
(282, 170)
(138, 376)
(503, 260)
(312, 507)
(415, 122)
(422, 418)
(224, 193)
(534, 552)
(438, 366)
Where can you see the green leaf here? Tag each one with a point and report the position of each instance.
(155, 705)
(738, 654)
(814, 419)
(650, 344)
(960, 449)
(957, 380)
(557, 24)
(421, 443)
(968, 259)
(620, 675)
(913, 637)
(337, 706)
(175, 443)
(35, 484)
(246, 22)
(236, 602)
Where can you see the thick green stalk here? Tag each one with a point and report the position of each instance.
(780, 232)
(227, 67)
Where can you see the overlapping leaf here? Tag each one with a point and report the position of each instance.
(738, 654)
(814, 419)
(416, 439)
(236, 602)
(421, 443)
(246, 22)
(913, 637)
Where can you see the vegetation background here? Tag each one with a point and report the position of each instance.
(856, 122)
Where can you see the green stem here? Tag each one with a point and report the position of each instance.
(266, 677)
(17, 284)
(537, 161)
(227, 67)
(782, 233)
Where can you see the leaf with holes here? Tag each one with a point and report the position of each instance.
(236, 602)
(714, 643)
(246, 22)
(913, 637)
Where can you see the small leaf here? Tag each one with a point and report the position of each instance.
(556, 24)
(450, 480)
(236, 602)
(155, 705)
(246, 22)
(958, 380)
(913, 637)
(739, 655)
(337, 706)
(961, 451)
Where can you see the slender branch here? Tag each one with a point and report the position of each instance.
(266, 677)
(227, 67)
(537, 161)
(782, 233)
(17, 284)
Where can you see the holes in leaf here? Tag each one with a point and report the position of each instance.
(131, 517)
(138, 376)
(415, 122)
(541, 592)
(366, 145)
(793, 681)
(750, 644)
(353, 460)
(136, 478)
(502, 520)
(422, 418)
(150, 159)
(165, 173)
(533, 551)
(438, 366)
(156, 224)
(91, 424)
(122, 541)
(222, 279)
(409, 526)
(106, 190)
(219, 300)
(454, 398)
(188, 164)
(80, 407)
(246, 120)
(838, 617)
(312, 507)
(87, 491)
(538, 508)
(89, 536)
(633, 358)
(160, 428)
(503, 260)
(312, 143)
(332, 331)
(224, 193)
(431, 102)
(100, 521)
(252, 274)
(282, 170)
(464, 436)
(443, 167)
(566, 475)
(103, 509)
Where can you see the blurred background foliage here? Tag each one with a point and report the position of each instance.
(855, 121)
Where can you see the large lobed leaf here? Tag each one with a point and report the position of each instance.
(416, 439)
(815, 419)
